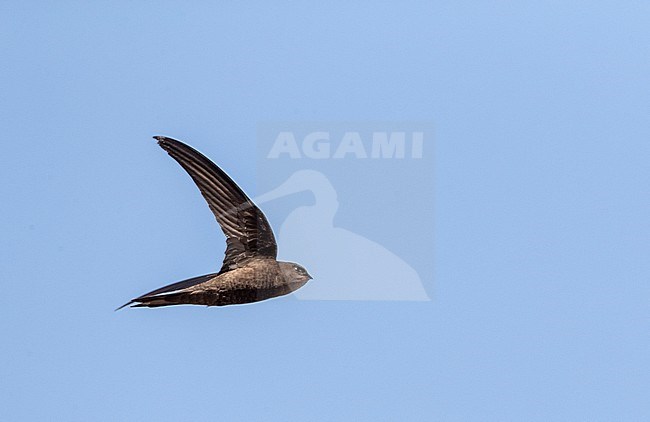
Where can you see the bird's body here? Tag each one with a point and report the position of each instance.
(257, 279)
(250, 271)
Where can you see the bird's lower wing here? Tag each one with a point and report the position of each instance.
(171, 288)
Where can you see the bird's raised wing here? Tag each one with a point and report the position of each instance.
(248, 233)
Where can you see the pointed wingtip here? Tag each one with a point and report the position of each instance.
(166, 142)
(126, 304)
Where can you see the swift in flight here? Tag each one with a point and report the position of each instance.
(250, 271)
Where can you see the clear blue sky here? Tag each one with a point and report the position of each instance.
(535, 259)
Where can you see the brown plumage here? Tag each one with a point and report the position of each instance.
(250, 271)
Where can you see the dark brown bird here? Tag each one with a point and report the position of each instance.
(250, 272)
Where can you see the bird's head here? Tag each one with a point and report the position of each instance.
(294, 273)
